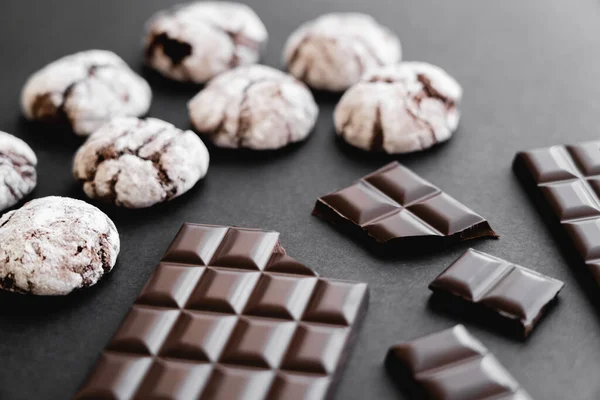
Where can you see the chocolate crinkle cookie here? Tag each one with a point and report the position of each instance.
(137, 163)
(195, 42)
(85, 90)
(17, 170)
(399, 109)
(256, 107)
(333, 51)
(54, 245)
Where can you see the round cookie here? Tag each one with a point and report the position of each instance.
(54, 245)
(400, 108)
(137, 163)
(17, 170)
(197, 41)
(256, 107)
(333, 51)
(85, 90)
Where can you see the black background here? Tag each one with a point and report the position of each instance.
(531, 76)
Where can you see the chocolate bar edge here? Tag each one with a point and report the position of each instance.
(552, 222)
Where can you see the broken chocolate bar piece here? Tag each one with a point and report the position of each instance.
(228, 315)
(451, 364)
(489, 287)
(565, 181)
(401, 211)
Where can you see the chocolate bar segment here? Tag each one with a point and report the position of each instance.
(228, 314)
(490, 287)
(451, 364)
(398, 210)
(565, 180)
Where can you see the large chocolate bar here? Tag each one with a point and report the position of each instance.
(566, 179)
(490, 287)
(228, 315)
(401, 211)
(451, 364)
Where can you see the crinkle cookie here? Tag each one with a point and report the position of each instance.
(197, 41)
(17, 170)
(399, 109)
(85, 90)
(256, 106)
(54, 245)
(137, 163)
(333, 51)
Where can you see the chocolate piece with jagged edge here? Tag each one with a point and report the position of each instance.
(401, 211)
(488, 287)
(565, 181)
(451, 364)
(228, 314)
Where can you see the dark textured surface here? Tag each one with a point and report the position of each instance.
(529, 71)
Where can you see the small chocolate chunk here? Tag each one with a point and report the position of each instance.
(401, 212)
(451, 364)
(491, 288)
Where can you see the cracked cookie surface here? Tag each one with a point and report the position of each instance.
(137, 163)
(85, 90)
(18, 176)
(256, 107)
(401, 108)
(333, 51)
(197, 41)
(54, 245)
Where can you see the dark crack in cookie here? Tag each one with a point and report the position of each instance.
(17, 170)
(85, 90)
(401, 108)
(197, 41)
(54, 245)
(333, 51)
(256, 107)
(137, 163)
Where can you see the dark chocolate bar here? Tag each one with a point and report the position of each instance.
(491, 287)
(401, 211)
(451, 364)
(567, 180)
(228, 315)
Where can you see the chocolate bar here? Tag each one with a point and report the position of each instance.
(451, 364)
(490, 287)
(229, 315)
(566, 181)
(399, 210)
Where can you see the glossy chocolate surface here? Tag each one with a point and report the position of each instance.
(492, 285)
(451, 364)
(394, 205)
(228, 315)
(568, 179)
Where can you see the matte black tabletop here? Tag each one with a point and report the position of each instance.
(531, 77)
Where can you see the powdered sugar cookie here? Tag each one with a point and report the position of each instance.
(256, 107)
(85, 90)
(400, 108)
(17, 170)
(137, 163)
(195, 42)
(54, 245)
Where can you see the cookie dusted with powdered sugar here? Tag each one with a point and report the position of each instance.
(137, 163)
(197, 41)
(17, 170)
(402, 108)
(85, 90)
(256, 107)
(54, 245)
(333, 51)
